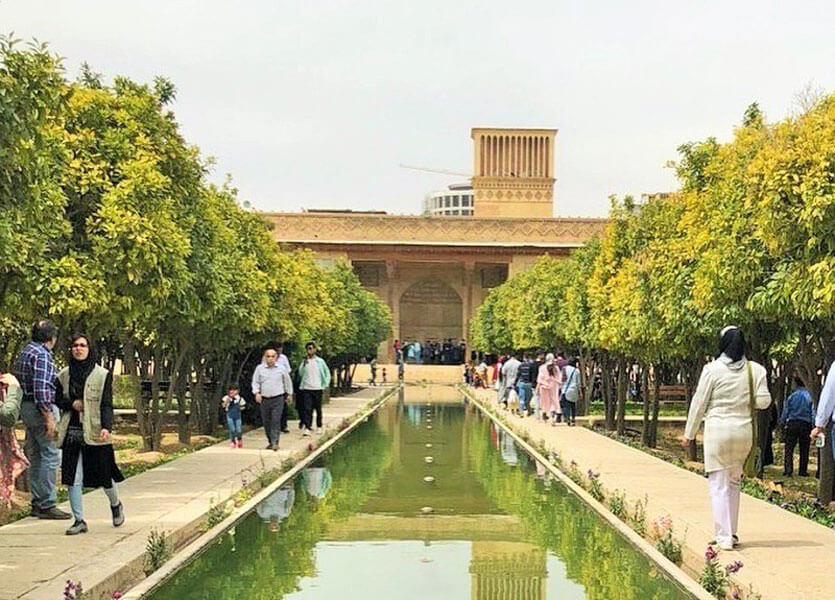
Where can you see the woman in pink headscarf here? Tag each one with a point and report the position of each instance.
(548, 382)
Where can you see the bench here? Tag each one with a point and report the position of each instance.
(672, 394)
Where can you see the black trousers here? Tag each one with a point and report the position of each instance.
(310, 401)
(271, 411)
(797, 431)
(284, 413)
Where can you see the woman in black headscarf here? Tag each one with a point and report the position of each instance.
(84, 393)
(724, 396)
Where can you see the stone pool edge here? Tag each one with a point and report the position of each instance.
(672, 570)
(190, 551)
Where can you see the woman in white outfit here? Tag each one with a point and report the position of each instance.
(722, 399)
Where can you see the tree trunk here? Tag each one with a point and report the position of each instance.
(160, 413)
(608, 399)
(622, 390)
(656, 404)
(691, 452)
(585, 392)
(183, 428)
(221, 379)
(645, 432)
(154, 421)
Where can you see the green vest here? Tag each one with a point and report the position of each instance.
(91, 417)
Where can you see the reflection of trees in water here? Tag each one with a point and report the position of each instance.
(263, 564)
(594, 554)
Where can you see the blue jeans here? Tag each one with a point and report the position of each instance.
(523, 388)
(76, 490)
(43, 455)
(233, 424)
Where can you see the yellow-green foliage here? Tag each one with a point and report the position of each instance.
(749, 239)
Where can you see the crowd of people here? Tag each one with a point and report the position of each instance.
(543, 385)
(729, 393)
(434, 352)
(68, 417)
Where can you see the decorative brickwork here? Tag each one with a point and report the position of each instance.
(313, 228)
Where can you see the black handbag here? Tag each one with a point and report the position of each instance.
(75, 435)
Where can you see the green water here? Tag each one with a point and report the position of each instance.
(354, 526)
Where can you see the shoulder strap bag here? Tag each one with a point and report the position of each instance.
(753, 462)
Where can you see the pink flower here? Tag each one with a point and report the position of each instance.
(710, 553)
(734, 566)
(735, 594)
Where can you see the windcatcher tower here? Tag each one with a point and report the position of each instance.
(513, 173)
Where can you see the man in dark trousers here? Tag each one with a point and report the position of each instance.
(796, 421)
(314, 378)
(271, 386)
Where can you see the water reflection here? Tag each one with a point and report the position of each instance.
(355, 524)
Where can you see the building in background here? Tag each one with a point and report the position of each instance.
(455, 201)
(433, 271)
(513, 172)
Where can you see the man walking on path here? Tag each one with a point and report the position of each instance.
(796, 421)
(524, 383)
(314, 377)
(35, 370)
(826, 406)
(509, 371)
(571, 392)
(271, 386)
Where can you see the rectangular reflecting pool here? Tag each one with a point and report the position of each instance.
(426, 499)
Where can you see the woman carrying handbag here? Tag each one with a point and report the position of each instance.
(84, 393)
(730, 390)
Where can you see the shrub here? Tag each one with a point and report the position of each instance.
(594, 486)
(73, 590)
(243, 496)
(617, 504)
(157, 550)
(669, 547)
(638, 519)
(574, 474)
(715, 578)
(217, 513)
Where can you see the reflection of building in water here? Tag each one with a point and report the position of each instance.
(507, 571)
(317, 481)
(277, 506)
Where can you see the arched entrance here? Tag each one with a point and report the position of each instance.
(431, 311)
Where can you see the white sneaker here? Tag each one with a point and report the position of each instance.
(306, 433)
(318, 430)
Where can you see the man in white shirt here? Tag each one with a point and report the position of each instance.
(510, 369)
(826, 405)
(271, 386)
(314, 377)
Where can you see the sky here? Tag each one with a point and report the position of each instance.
(315, 104)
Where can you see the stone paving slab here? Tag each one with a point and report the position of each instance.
(786, 556)
(37, 557)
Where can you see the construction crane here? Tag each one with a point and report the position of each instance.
(441, 171)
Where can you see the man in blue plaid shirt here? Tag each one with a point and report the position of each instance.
(35, 370)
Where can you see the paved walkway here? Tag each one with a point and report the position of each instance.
(436, 374)
(37, 558)
(786, 556)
